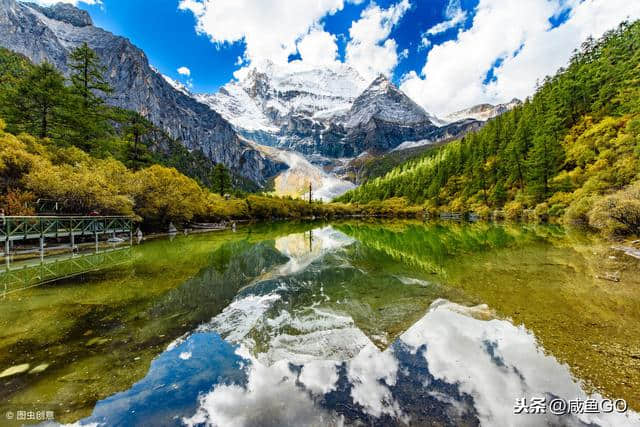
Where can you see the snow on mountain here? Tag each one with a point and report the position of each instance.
(412, 144)
(482, 112)
(384, 101)
(265, 100)
(437, 120)
(313, 118)
(234, 104)
(301, 90)
(176, 84)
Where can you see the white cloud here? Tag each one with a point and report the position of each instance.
(424, 42)
(318, 47)
(270, 30)
(369, 50)
(519, 33)
(455, 16)
(184, 71)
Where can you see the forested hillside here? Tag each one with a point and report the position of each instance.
(59, 141)
(39, 101)
(571, 151)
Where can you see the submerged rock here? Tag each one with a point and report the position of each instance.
(610, 276)
(478, 312)
(14, 370)
(632, 252)
(40, 368)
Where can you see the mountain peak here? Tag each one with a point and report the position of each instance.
(384, 101)
(64, 12)
(381, 80)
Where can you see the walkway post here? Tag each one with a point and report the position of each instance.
(95, 233)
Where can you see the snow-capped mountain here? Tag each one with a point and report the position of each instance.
(316, 120)
(385, 102)
(329, 112)
(274, 105)
(382, 118)
(482, 112)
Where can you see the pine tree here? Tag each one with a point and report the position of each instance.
(40, 101)
(220, 179)
(88, 85)
(87, 78)
(517, 151)
(135, 129)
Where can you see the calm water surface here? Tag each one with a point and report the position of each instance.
(349, 323)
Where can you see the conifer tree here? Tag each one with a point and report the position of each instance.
(135, 129)
(220, 179)
(88, 86)
(40, 101)
(87, 78)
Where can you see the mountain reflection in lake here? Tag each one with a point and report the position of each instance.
(362, 324)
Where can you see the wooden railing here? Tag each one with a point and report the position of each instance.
(17, 228)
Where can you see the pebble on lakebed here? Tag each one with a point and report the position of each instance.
(632, 252)
(14, 370)
(40, 368)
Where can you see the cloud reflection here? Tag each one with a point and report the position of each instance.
(278, 355)
(454, 366)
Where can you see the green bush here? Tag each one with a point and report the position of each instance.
(513, 210)
(577, 214)
(617, 214)
(541, 212)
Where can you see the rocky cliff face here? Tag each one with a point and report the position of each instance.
(49, 34)
(64, 12)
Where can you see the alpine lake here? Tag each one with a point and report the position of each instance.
(340, 323)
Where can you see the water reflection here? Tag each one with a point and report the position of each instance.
(22, 275)
(448, 368)
(173, 383)
(316, 338)
(97, 332)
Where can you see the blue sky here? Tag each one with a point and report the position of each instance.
(168, 36)
(445, 54)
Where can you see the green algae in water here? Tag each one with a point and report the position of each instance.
(540, 277)
(98, 333)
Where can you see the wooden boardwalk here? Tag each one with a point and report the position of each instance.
(25, 228)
